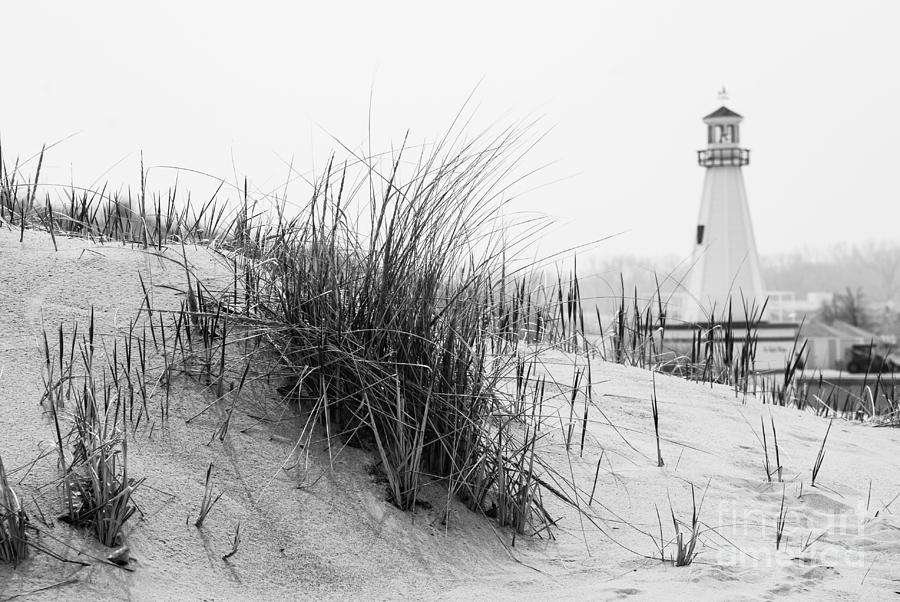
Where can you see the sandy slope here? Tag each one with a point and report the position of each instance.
(336, 535)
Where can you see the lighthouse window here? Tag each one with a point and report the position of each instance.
(709, 135)
(718, 133)
(700, 229)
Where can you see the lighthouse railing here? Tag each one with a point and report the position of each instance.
(717, 157)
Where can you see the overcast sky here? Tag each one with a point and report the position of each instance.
(624, 84)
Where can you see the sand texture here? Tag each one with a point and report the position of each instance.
(324, 529)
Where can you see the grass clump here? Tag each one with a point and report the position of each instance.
(97, 489)
(13, 521)
(99, 492)
(686, 542)
(392, 305)
(686, 538)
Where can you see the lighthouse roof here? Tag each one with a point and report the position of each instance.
(722, 111)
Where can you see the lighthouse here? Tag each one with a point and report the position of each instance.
(724, 261)
(724, 268)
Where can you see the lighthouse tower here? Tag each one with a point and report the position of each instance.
(725, 264)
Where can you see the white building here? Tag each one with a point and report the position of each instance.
(788, 305)
(724, 269)
(724, 262)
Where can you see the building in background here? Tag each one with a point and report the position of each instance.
(828, 345)
(790, 306)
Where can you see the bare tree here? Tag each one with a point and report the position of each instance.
(849, 307)
(882, 258)
(873, 266)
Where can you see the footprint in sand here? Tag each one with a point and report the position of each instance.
(823, 504)
(625, 592)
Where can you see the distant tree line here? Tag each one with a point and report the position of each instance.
(872, 266)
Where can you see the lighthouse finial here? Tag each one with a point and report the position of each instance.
(723, 95)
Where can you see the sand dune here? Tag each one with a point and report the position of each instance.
(327, 531)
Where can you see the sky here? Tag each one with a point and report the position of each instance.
(241, 88)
